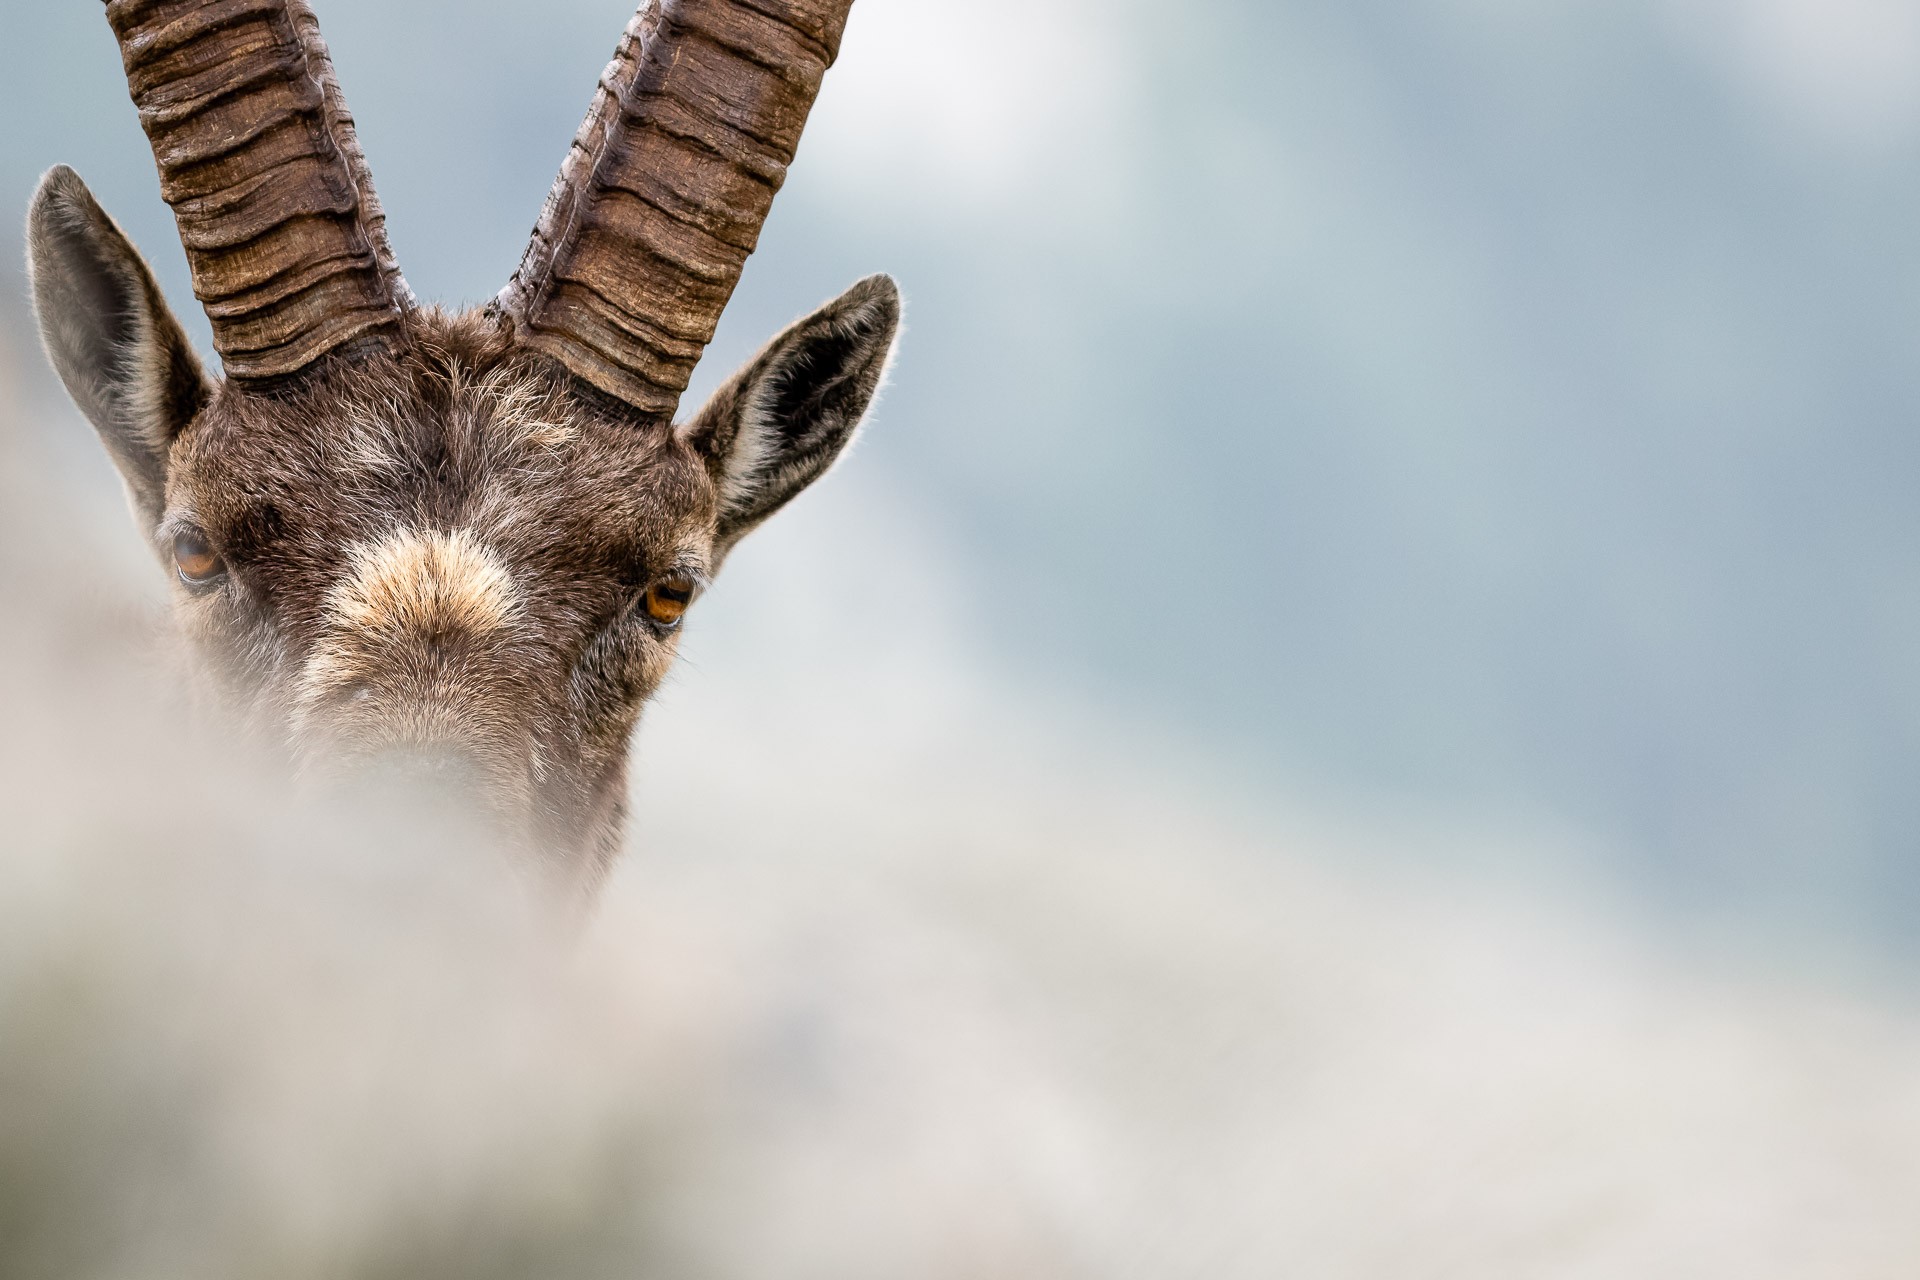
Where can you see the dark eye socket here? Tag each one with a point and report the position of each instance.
(198, 564)
(667, 598)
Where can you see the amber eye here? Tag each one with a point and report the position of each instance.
(196, 561)
(667, 599)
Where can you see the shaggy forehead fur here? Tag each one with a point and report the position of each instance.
(439, 591)
(567, 505)
(424, 582)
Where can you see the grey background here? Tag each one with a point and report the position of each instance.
(1450, 406)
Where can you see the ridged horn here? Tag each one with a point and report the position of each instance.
(661, 197)
(258, 158)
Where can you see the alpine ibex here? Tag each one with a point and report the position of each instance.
(406, 537)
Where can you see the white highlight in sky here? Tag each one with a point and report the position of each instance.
(1845, 71)
(965, 107)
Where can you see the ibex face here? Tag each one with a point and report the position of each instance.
(401, 537)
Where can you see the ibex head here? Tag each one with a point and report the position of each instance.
(400, 535)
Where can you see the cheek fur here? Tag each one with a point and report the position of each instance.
(618, 672)
(235, 663)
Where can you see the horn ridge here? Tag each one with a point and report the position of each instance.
(663, 193)
(257, 156)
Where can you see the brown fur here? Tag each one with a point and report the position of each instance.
(436, 548)
(442, 549)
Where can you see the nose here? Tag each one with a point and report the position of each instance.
(433, 774)
(420, 813)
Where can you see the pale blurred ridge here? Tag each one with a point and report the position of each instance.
(902, 977)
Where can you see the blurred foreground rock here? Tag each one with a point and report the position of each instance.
(951, 1000)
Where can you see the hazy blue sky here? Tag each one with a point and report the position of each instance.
(1495, 404)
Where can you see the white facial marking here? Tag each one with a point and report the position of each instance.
(414, 583)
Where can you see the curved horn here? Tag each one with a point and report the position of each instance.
(258, 158)
(662, 195)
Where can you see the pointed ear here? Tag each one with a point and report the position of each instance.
(779, 423)
(125, 360)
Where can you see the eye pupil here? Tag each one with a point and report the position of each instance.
(197, 562)
(667, 600)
